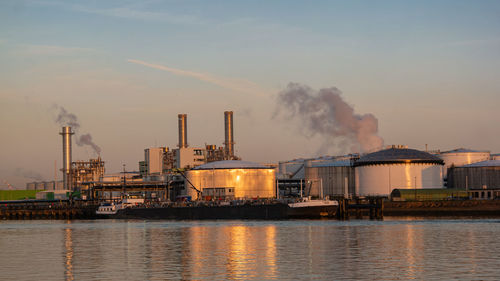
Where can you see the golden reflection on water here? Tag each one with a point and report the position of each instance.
(410, 250)
(244, 251)
(68, 245)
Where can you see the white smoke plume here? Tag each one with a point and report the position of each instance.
(64, 118)
(326, 114)
(29, 174)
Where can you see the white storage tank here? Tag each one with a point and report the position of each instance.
(380, 172)
(462, 156)
(231, 179)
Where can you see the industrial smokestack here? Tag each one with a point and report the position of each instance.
(183, 131)
(228, 129)
(66, 139)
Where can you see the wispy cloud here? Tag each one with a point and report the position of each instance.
(239, 85)
(129, 11)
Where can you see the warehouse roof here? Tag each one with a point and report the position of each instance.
(231, 164)
(398, 155)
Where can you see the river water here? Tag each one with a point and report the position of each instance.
(396, 249)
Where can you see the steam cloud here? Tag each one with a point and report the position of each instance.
(64, 118)
(326, 114)
(29, 174)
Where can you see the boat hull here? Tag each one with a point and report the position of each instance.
(262, 211)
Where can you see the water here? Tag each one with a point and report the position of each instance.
(250, 250)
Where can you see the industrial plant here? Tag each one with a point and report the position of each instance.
(215, 174)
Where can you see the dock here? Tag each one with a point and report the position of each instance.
(47, 209)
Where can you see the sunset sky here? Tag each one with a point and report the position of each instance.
(429, 71)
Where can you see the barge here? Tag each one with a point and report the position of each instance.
(309, 209)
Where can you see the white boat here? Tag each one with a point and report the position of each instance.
(112, 208)
(307, 202)
(107, 209)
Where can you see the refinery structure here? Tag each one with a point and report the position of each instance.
(215, 173)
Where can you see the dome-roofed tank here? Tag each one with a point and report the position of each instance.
(380, 172)
(231, 179)
(398, 154)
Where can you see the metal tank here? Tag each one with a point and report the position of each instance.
(232, 179)
(30, 186)
(66, 139)
(480, 175)
(380, 172)
(330, 179)
(229, 138)
(39, 185)
(183, 131)
(462, 156)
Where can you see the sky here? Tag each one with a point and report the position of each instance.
(427, 71)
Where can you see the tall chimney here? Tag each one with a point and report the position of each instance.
(66, 139)
(228, 129)
(182, 131)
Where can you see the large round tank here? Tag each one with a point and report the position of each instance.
(380, 172)
(330, 179)
(462, 156)
(232, 179)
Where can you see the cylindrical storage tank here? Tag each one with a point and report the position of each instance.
(236, 179)
(40, 185)
(462, 156)
(380, 172)
(30, 186)
(480, 175)
(330, 179)
(49, 185)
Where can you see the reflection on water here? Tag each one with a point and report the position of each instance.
(249, 250)
(69, 254)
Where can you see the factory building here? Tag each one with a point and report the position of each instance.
(330, 179)
(380, 172)
(153, 160)
(481, 176)
(161, 160)
(231, 179)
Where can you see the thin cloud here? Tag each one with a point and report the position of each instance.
(239, 85)
(125, 11)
